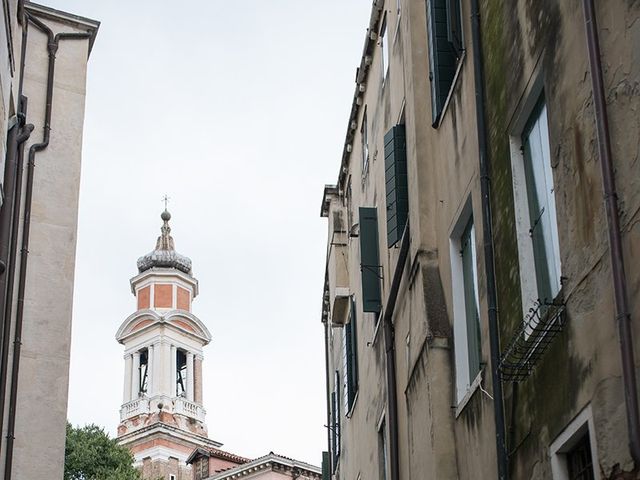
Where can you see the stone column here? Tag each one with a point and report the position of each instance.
(150, 366)
(197, 373)
(172, 372)
(190, 382)
(128, 362)
(135, 377)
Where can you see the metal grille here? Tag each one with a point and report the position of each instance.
(541, 325)
(579, 461)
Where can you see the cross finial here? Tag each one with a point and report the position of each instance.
(166, 199)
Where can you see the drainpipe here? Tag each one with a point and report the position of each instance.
(389, 345)
(52, 46)
(623, 315)
(485, 192)
(10, 220)
(327, 392)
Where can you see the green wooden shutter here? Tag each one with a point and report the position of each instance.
(442, 53)
(395, 164)
(471, 309)
(351, 360)
(326, 469)
(370, 260)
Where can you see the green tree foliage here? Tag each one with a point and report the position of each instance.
(91, 455)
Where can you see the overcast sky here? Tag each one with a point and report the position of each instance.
(238, 111)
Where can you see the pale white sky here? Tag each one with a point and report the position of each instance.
(238, 111)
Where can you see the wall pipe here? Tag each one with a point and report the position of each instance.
(623, 315)
(389, 344)
(485, 192)
(53, 42)
(9, 222)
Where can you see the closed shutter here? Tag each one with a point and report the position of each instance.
(370, 260)
(397, 199)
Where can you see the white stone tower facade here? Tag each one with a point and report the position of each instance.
(162, 419)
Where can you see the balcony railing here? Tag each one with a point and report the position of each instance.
(189, 409)
(134, 408)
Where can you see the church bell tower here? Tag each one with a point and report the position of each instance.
(162, 419)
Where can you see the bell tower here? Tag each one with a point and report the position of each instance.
(162, 419)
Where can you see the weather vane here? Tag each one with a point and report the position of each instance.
(166, 199)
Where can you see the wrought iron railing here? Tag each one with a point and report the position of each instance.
(541, 325)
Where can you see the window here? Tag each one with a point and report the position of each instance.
(364, 137)
(172, 477)
(395, 164)
(572, 451)
(201, 468)
(466, 320)
(382, 449)
(445, 50)
(350, 358)
(384, 48)
(543, 230)
(144, 371)
(335, 422)
(370, 268)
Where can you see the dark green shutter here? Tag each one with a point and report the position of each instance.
(370, 260)
(471, 310)
(326, 469)
(395, 164)
(351, 343)
(443, 21)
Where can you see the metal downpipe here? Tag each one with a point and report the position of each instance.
(390, 353)
(52, 46)
(623, 316)
(485, 192)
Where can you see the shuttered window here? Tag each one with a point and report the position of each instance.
(542, 205)
(326, 466)
(335, 422)
(397, 199)
(370, 260)
(350, 358)
(445, 49)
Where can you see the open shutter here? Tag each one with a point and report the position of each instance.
(351, 359)
(326, 466)
(442, 53)
(395, 163)
(370, 260)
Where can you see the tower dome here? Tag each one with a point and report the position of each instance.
(165, 255)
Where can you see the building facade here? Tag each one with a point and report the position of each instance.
(43, 67)
(475, 324)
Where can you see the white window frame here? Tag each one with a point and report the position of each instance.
(384, 48)
(364, 134)
(564, 442)
(528, 281)
(465, 385)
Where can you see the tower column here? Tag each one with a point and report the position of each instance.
(151, 362)
(190, 382)
(135, 377)
(172, 372)
(197, 373)
(128, 362)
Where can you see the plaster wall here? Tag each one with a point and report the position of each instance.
(44, 366)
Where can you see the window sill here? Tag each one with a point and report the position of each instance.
(475, 385)
(445, 107)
